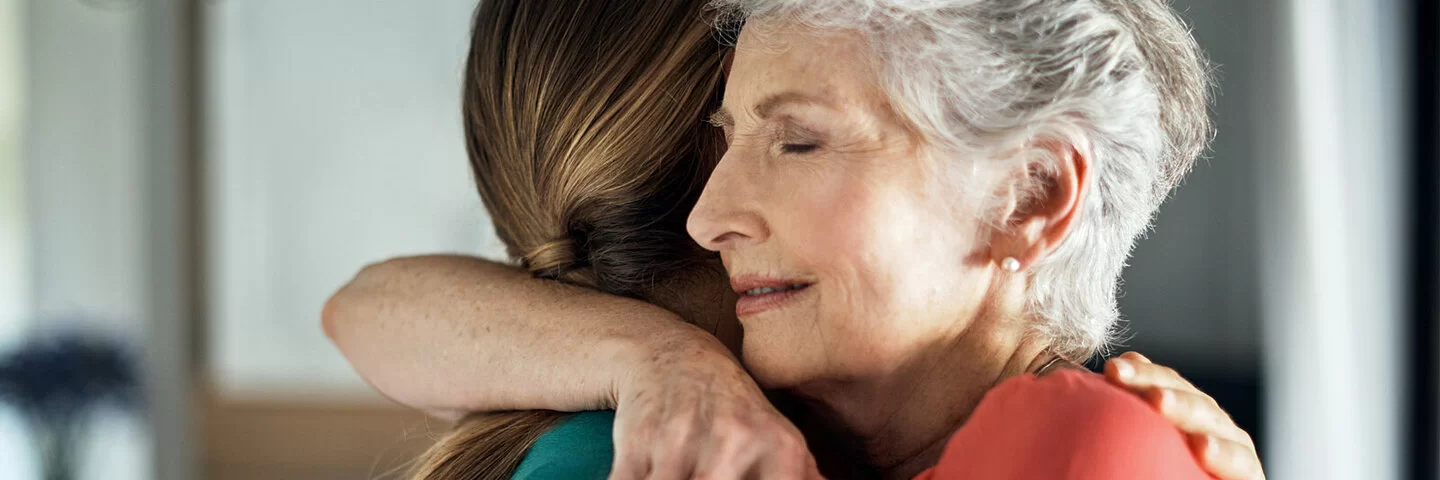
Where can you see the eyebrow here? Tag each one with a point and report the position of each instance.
(723, 118)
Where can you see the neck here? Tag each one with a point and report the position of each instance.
(904, 417)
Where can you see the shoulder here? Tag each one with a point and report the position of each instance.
(1081, 405)
(1069, 425)
(1077, 402)
(580, 447)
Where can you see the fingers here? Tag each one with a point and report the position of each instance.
(1195, 413)
(1226, 459)
(1224, 449)
(1137, 373)
(1136, 356)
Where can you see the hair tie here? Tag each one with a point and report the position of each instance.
(551, 258)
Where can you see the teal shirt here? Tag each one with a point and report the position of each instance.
(580, 447)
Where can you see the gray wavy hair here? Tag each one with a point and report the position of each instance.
(979, 77)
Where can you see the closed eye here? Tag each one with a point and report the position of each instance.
(798, 148)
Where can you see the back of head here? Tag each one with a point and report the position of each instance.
(584, 122)
(585, 128)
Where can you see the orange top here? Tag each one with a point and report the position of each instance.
(1068, 425)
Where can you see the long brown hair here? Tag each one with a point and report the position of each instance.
(584, 122)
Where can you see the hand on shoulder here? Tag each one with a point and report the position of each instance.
(1067, 425)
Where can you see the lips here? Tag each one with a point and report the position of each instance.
(768, 290)
(759, 294)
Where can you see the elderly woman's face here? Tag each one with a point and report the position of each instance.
(831, 216)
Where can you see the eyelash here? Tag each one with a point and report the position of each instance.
(798, 148)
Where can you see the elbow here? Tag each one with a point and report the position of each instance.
(340, 309)
(330, 314)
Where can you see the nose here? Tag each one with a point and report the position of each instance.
(726, 216)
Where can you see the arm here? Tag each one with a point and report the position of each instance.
(444, 333)
(452, 334)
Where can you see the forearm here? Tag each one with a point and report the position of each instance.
(457, 334)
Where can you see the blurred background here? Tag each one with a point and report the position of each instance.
(183, 183)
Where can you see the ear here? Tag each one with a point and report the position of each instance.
(1044, 203)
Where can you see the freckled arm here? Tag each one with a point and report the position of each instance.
(452, 334)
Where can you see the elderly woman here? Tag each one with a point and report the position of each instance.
(449, 334)
(925, 204)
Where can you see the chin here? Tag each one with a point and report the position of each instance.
(773, 366)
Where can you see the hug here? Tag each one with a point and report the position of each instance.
(804, 238)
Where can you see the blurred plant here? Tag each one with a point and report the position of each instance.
(55, 382)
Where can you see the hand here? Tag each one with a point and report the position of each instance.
(691, 411)
(1222, 448)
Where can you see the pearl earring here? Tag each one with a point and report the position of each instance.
(1010, 264)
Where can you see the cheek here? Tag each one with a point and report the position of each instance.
(881, 249)
(883, 233)
(893, 262)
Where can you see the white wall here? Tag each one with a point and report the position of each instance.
(14, 261)
(17, 458)
(84, 167)
(334, 140)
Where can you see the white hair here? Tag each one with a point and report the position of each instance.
(1124, 77)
